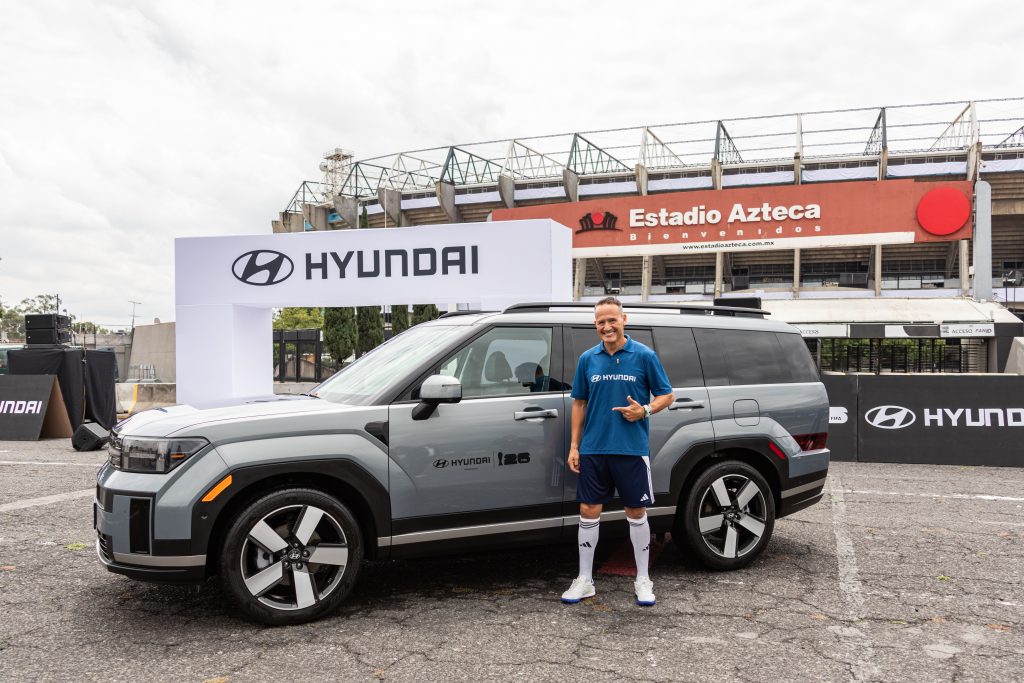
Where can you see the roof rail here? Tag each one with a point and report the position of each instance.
(452, 314)
(686, 309)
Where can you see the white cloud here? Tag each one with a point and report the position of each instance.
(125, 124)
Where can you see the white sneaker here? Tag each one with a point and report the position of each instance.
(644, 588)
(580, 588)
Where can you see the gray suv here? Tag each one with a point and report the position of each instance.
(452, 437)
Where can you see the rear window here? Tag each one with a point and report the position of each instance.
(678, 353)
(798, 358)
(734, 357)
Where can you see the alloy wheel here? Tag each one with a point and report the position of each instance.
(294, 557)
(732, 515)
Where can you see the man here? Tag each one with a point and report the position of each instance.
(614, 451)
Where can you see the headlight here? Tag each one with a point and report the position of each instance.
(145, 454)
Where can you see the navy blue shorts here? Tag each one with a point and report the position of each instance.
(602, 475)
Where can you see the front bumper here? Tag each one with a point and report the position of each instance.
(189, 574)
(124, 543)
(144, 522)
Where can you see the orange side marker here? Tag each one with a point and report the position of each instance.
(218, 489)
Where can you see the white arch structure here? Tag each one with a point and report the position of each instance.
(225, 287)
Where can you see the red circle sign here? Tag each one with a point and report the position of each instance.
(597, 217)
(943, 211)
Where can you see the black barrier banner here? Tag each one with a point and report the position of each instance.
(842, 415)
(941, 419)
(31, 407)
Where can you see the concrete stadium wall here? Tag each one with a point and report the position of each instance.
(154, 345)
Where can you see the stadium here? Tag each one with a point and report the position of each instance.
(849, 223)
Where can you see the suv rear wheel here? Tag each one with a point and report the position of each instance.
(728, 516)
(291, 556)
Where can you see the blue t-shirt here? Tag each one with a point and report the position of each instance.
(604, 382)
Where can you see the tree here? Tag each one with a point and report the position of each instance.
(41, 303)
(340, 332)
(399, 318)
(371, 328)
(299, 319)
(421, 313)
(12, 320)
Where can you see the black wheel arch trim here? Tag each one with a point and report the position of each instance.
(343, 478)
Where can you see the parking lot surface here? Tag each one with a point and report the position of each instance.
(902, 572)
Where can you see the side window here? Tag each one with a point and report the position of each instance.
(797, 358)
(733, 357)
(678, 353)
(583, 338)
(505, 361)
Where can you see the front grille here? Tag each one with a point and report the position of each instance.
(106, 547)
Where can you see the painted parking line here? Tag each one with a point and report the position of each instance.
(43, 462)
(855, 640)
(957, 496)
(47, 500)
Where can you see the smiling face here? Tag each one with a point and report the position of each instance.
(610, 322)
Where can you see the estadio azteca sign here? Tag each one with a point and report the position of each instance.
(768, 217)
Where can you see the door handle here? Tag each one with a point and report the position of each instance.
(532, 413)
(686, 404)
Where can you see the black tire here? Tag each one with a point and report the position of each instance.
(744, 529)
(263, 567)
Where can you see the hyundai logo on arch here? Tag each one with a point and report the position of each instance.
(262, 267)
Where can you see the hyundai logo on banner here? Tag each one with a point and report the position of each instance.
(262, 267)
(890, 417)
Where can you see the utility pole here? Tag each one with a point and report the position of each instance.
(134, 304)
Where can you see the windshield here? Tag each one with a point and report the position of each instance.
(359, 382)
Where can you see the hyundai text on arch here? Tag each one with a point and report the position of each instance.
(452, 437)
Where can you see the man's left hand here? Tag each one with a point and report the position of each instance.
(633, 412)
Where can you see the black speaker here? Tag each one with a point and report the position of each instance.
(47, 336)
(90, 437)
(47, 321)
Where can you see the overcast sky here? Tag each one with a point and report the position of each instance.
(125, 124)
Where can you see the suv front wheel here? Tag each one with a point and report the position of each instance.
(728, 516)
(291, 556)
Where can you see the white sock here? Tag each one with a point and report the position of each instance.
(588, 533)
(640, 534)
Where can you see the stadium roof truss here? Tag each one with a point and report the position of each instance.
(877, 141)
(822, 137)
(586, 158)
(1014, 139)
(725, 149)
(961, 133)
(465, 168)
(655, 154)
(525, 163)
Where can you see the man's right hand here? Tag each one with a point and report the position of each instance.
(574, 460)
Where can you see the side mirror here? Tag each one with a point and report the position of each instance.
(435, 390)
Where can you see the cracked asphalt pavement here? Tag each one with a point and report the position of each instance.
(902, 572)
